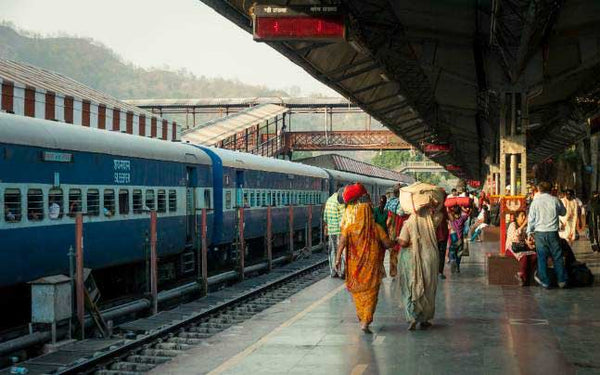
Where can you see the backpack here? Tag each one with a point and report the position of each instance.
(580, 275)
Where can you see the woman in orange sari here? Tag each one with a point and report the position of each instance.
(365, 243)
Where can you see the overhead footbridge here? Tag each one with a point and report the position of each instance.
(499, 84)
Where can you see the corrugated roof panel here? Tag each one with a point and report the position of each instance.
(214, 131)
(342, 163)
(51, 81)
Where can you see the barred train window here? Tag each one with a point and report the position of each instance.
(74, 201)
(246, 203)
(35, 205)
(93, 202)
(109, 202)
(150, 199)
(138, 202)
(123, 201)
(162, 201)
(228, 199)
(12, 205)
(173, 200)
(55, 204)
(252, 202)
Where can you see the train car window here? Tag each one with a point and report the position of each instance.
(173, 200)
(55, 204)
(207, 201)
(74, 201)
(246, 202)
(12, 205)
(109, 203)
(123, 202)
(35, 205)
(161, 201)
(269, 202)
(93, 202)
(138, 201)
(150, 200)
(252, 202)
(264, 198)
(228, 199)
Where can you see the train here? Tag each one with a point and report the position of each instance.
(49, 171)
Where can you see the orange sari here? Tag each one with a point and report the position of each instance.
(364, 258)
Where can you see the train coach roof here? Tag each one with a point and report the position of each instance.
(244, 160)
(351, 177)
(27, 131)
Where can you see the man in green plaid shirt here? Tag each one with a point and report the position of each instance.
(332, 216)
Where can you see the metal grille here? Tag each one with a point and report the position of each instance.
(109, 202)
(93, 202)
(150, 199)
(138, 204)
(173, 200)
(35, 205)
(162, 201)
(74, 201)
(55, 202)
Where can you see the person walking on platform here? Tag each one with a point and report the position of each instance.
(441, 234)
(543, 225)
(365, 243)
(394, 223)
(332, 216)
(568, 228)
(381, 213)
(419, 267)
(594, 220)
(458, 217)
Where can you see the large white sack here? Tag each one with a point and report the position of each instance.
(419, 195)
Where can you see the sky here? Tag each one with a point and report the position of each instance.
(158, 33)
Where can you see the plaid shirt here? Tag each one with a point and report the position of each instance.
(392, 205)
(333, 214)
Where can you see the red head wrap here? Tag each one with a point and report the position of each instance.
(353, 192)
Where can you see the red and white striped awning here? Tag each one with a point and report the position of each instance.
(31, 91)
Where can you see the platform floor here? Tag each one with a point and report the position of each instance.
(478, 329)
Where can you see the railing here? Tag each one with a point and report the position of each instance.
(345, 140)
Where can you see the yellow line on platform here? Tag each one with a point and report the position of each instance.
(263, 340)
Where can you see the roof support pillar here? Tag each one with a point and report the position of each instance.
(513, 151)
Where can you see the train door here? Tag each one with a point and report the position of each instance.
(239, 185)
(190, 206)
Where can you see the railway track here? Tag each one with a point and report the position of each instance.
(138, 353)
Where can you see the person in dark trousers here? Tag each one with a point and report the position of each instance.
(380, 213)
(543, 225)
(594, 220)
(441, 234)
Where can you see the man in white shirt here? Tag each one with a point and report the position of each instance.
(543, 225)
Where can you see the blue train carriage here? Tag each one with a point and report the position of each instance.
(49, 171)
(375, 186)
(256, 182)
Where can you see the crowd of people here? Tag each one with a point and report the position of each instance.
(421, 237)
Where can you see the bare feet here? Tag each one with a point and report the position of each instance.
(412, 325)
(365, 327)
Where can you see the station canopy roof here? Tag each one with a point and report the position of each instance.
(212, 132)
(437, 72)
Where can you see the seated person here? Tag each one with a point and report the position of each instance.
(9, 216)
(521, 248)
(476, 230)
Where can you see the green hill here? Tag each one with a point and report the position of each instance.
(96, 65)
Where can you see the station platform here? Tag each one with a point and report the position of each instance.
(478, 329)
